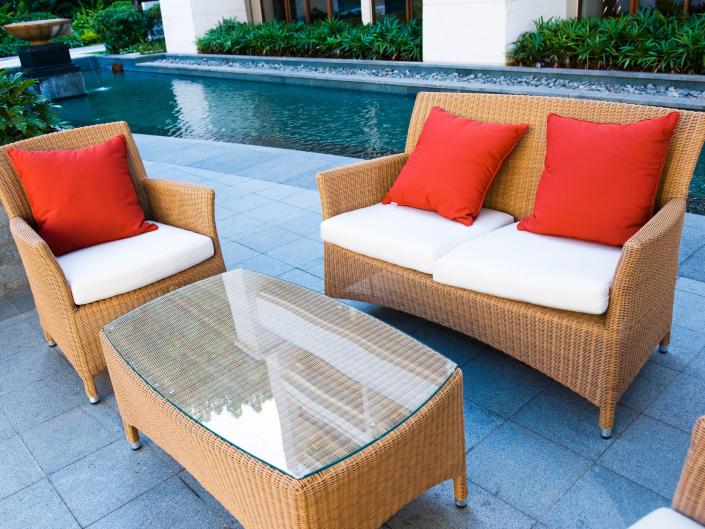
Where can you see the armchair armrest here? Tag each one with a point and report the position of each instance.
(183, 205)
(689, 499)
(358, 185)
(644, 283)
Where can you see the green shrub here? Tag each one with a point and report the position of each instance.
(648, 41)
(24, 112)
(386, 40)
(121, 26)
(147, 47)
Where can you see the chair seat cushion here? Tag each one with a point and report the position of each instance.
(408, 237)
(544, 270)
(112, 268)
(665, 518)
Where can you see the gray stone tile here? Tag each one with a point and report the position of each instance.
(234, 254)
(275, 212)
(19, 334)
(501, 384)
(451, 344)
(307, 224)
(282, 168)
(6, 429)
(603, 499)
(694, 266)
(107, 479)
(18, 468)
(267, 238)
(435, 509)
(570, 421)
(214, 506)
(479, 423)
(266, 265)
(306, 199)
(106, 413)
(303, 279)
(305, 180)
(685, 345)
(697, 366)
(401, 320)
(66, 439)
(649, 453)
(691, 285)
(235, 161)
(298, 253)
(43, 399)
(41, 361)
(7, 309)
(511, 461)
(315, 267)
(241, 203)
(222, 214)
(689, 310)
(169, 505)
(279, 191)
(237, 224)
(681, 403)
(647, 386)
(693, 239)
(250, 185)
(36, 507)
(23, 301)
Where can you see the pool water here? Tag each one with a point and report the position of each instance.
(334, 121)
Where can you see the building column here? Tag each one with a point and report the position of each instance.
(186, 20)
(482, 31)
(367, 8)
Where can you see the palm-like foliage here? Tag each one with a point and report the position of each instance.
(389, 39)
(648, 41)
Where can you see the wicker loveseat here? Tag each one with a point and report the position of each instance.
(73, 324)
(595, 355)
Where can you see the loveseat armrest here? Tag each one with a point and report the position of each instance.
(644, 283)
(689, 499)
(358, 185)
(183, 205)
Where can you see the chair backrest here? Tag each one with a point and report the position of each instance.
(12, 193)
(514, 188)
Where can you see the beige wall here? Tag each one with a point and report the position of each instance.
(186, 20)
(482, 31)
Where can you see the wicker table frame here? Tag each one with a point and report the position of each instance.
(595, 356)
(360, 492)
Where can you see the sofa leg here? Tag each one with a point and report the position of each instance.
(663, 346)
(50, 342)
(606, 421)
(91, 391)
(133, 436)
(460, 488)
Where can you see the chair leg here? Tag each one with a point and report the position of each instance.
(663, 346)
(606, 421)
(91, 391)
(460, 489)
(133, 436)
(50, 341)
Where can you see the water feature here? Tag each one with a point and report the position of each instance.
(344, 122)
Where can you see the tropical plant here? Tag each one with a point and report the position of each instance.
(648, 41)
(24, 112)
(121, 26)
(389, 39)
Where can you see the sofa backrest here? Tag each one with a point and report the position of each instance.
(12, 193)
(514, 188)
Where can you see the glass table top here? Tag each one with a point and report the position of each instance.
(295, 379)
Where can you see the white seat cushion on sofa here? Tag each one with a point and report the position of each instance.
(665, 518)
(550, 271)
(408, 237)
(112, 268)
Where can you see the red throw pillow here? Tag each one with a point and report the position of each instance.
(81, 198)
(600, 179)
(453, 165)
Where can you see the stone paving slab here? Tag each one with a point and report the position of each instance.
(535, 459)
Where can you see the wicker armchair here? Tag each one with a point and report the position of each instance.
(75, 328)
(597, 356)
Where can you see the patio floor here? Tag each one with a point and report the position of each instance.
(535, 457)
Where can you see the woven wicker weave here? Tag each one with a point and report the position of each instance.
(359, 492)
(75, 328)
(690, 494)
(595, 356)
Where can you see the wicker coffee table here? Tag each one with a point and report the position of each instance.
(291, 408)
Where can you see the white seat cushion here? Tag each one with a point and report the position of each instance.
(550, 271)
(665, 518)
(408, 237)
(116, 267)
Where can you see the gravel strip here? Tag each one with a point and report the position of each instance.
(536, 81)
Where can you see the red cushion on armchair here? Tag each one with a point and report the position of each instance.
(83, 197)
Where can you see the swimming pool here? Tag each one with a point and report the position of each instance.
(334, 121)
